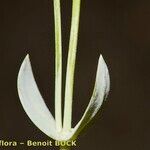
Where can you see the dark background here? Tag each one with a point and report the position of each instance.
(119, 29)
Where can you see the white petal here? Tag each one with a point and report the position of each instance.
(33, 102)
(101, 89)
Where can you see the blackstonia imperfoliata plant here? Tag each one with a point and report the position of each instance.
(32, 100)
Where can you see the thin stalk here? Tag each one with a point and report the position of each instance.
(64, 148)
(58, 65)
(71, 64)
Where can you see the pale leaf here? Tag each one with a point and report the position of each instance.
(100, 92)
(33, 102)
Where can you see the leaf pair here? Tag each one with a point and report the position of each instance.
(40, 115)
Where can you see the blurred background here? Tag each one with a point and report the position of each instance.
(117, 29)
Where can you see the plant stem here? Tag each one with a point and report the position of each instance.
(71, 64)
(64, 147)
(58, 65)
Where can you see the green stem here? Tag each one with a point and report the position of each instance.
(64, 148)
(71, 64)
(58, 65)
